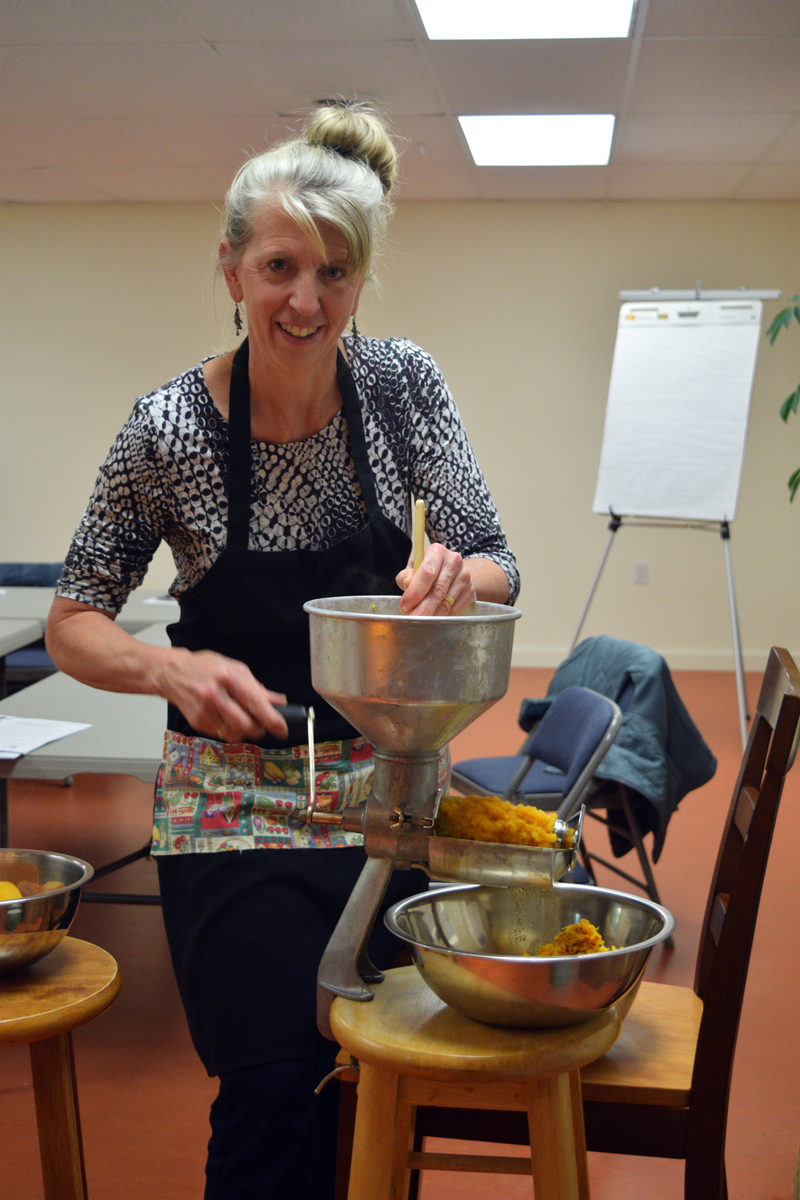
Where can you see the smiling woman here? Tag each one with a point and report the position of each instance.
(299, 294)
(278, 474)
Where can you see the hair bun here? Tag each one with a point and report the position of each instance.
(355, 130)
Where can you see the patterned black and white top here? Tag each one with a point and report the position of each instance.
(165, 478)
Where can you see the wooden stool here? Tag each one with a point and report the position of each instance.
(413, 1049)
(40, 1006)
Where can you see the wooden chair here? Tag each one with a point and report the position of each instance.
(662, 1090)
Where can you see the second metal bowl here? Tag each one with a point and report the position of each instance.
(32, 926)
(476, 949)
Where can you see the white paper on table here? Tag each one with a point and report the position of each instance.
(20, 735)
(160, 600)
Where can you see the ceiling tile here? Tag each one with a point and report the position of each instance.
(542, 183)
(718, 76)
(10, 158)
(47, 22)
(25, 93)
(313, 20)
(677, 181)
(437, 141)
(224, 142)
(185, 80)
(88, 142)
(437, 183)
(530, 77)
(787, 147)
(46, 186)
(304, 72)
(722, 18)
(773, 181)
(147, 185)
(703, 137)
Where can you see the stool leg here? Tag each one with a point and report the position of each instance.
(552, 1134)
(580, 1134)
(405, 1120)
(374, 1138)
(56, 1094)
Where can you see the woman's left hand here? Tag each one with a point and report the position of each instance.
(442, 586)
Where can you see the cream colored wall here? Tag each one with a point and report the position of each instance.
(518, 304)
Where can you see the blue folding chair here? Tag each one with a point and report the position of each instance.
(556, 764)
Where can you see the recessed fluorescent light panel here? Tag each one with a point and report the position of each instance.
(456, 20)
(540, 141)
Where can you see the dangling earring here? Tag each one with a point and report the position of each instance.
(237, 320)
(356, 335)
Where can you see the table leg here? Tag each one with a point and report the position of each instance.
(373, 1141)
(56, 1094)
(552, 1134)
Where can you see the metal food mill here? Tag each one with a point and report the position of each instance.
(409, 685)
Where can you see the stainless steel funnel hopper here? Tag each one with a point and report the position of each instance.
(409, 684)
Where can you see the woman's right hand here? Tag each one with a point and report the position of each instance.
(221, 698)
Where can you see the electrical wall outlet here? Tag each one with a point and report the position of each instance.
(640, 571)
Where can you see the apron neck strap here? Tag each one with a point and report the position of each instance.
(239, 450)
(351, 404)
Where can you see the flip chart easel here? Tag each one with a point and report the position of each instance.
(676, 421)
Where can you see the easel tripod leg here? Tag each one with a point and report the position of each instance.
(613, 526)
(725, 534)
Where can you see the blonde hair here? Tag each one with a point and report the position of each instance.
(341, 170)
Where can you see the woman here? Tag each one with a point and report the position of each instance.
(278, 474)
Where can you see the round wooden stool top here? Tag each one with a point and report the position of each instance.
(68, 987)
(407, 1029)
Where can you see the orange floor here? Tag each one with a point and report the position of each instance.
(144, 1096)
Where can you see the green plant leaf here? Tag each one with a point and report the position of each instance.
(793, 484)
(790, 404)
(781, 321)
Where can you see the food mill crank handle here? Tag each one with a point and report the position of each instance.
(338, 971)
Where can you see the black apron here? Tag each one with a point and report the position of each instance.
(249, 605)
(247, 928)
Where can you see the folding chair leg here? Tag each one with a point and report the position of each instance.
(644, 862)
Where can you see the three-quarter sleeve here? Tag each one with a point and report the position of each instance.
(123, 523)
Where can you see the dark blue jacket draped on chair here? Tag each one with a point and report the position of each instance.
(659, 752)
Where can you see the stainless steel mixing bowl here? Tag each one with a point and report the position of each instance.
(33, 926)
(476, 949)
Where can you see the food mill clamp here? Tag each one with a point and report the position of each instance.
(409, 685)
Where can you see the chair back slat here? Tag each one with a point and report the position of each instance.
(745, 807)
(719, 911)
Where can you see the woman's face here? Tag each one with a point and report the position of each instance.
(298, 299)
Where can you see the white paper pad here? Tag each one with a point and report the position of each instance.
(161, 600)
(678, 407)
(20, 735)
